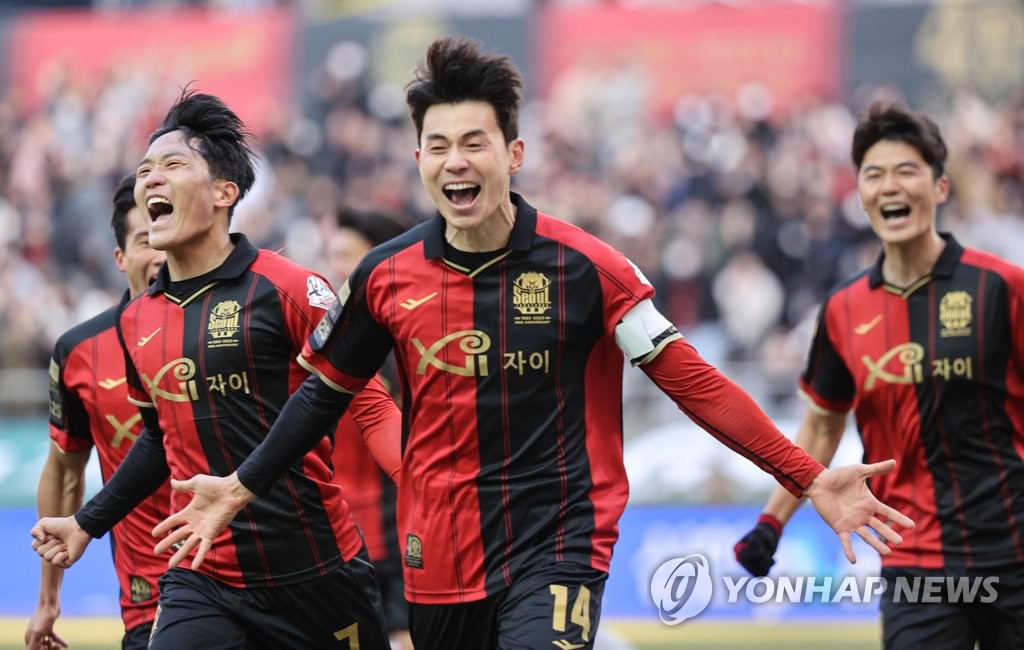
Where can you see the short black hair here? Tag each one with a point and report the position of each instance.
(222, 138)
(124, 201)
(894, 122)
(375, 227)
(455, 70)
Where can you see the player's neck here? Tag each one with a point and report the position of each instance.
(200, 257)
(490, 235)
(907, 262)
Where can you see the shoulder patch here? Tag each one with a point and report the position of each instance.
(639, 274)
(325, 327)
(318, 293)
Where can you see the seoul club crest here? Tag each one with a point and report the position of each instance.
(531, 297)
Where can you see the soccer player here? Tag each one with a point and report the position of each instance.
(369, 492)
(89, 408)
(212, 347)
(509, 327)
(925, 347)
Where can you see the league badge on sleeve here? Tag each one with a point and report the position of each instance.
(319, 294)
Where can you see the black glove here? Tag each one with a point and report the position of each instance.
(757, 548)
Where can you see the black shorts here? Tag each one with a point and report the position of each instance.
(340, 610)
(993, 616)
(551, 606)
(137, 638)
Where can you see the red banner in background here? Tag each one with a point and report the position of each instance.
(792, 49)
(243, 57)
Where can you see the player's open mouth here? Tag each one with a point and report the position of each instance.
(895, 211)
(159, 207)
(461, 194)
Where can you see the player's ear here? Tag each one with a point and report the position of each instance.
(119, 259)
(225, 193)
(517, 152)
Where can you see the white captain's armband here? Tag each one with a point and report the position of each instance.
(643, 332)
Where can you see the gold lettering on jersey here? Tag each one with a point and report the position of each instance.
(223, 324)
(955, 314)
(473, 343)
(221, 383)
(519, 362)
(141, 589)
(959, 367)
(122, 430)
(184, 370)
(532, 298)
(413, 552)
(910, 355)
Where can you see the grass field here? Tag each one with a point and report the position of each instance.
(105, 634)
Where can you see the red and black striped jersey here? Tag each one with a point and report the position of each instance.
(215, 356)
(511, 391)
(370, 493)
(89, 408)
(934, 374)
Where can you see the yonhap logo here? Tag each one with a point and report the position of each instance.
(681, 588)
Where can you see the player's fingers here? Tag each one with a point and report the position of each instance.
(848, 547)
(173, 521)
(183, 551)
(39, 533)
(58, 640)
(204, 547)
(879, 468)
(885, 531)
(49, 550)
(175, 537)
(894, 515)
(873, 542)
(188, 485)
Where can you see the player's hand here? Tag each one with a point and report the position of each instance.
(59, 540)
(40, 635)
(756, 550)
(842, 498)
(215, 502)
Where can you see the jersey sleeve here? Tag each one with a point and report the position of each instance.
(380, 423)
(69, 420)
(138, 394)
(623, 286)
(305, 306)
(826, 381)
(349, 345)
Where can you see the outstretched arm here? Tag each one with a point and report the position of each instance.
(720, 407)
(60, 493)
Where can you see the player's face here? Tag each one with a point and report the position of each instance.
(466, 165)
(174, 189)
(345, 249)
(899, 192)
(138, 261)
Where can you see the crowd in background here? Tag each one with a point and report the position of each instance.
(742, 215)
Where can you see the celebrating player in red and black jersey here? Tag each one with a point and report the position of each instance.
(509, 328)
(925, 347)
(212, 348)
(89, 408)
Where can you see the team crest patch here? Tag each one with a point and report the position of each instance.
(531, 296)
(141, 589)
(413, 552)
(955, 314)
(318, 293)
(224, 324)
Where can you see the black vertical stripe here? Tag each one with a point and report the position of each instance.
(535, 478)
(965, 428)
(452, 434)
